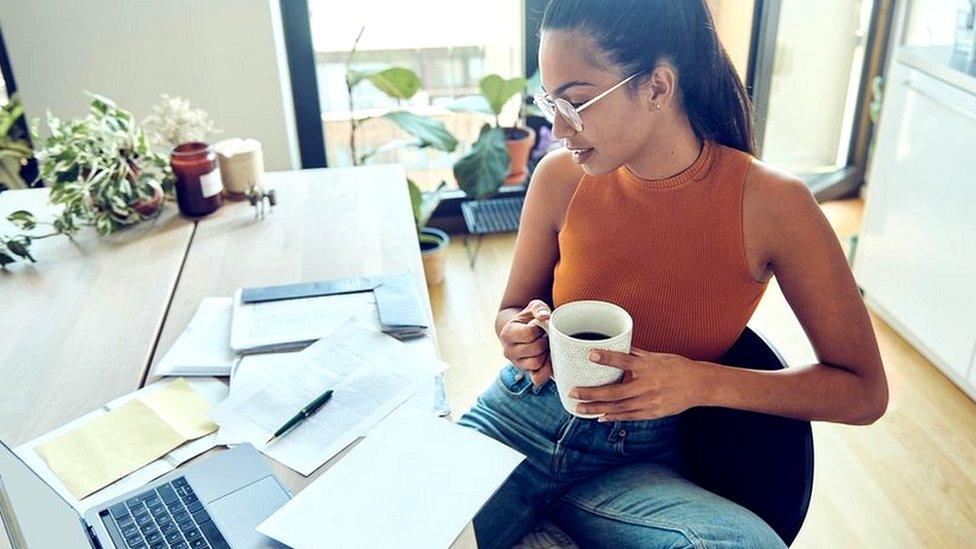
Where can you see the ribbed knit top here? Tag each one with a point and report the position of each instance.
(669, 251)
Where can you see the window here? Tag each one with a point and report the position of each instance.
(450, 44)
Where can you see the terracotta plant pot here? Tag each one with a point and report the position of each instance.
(519, 142)
(433, 248)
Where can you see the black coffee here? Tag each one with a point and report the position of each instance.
(589, 336)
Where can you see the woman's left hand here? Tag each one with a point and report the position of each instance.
(655, 385)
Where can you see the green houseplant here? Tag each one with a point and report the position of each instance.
(401, 84)
(14, 150)
(500, 154)
(102, 170)
(433, 242)
(102, 173)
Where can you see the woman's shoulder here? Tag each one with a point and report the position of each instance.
(775, 203)
(553, 184)
(773, 190)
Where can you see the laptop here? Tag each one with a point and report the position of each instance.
(216, 503)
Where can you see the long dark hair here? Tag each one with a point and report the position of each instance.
(636, 35)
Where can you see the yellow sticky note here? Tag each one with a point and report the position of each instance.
(108, 448)
(182, 408)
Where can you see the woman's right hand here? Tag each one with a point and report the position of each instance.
(526, 344)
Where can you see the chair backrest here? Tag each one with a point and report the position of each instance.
(760, 461)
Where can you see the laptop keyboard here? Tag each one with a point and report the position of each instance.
(169, 516)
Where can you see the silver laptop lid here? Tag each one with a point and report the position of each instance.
(33, 514)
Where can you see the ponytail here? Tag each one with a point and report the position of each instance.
(637, 35)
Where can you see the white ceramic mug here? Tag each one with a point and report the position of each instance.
(568, 351)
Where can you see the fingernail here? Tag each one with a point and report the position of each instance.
(574, 394)
(602, 419)
(594, 356)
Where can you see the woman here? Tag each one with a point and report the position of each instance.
(658, 205)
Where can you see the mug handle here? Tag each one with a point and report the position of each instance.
(544, 324)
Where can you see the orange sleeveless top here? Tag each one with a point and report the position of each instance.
(669, 251)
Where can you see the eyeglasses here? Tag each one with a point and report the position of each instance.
(550, 105)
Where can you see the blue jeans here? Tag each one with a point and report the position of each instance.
(614, 484)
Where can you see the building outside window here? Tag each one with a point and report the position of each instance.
(450, 44)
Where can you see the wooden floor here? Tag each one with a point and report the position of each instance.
(909, 480)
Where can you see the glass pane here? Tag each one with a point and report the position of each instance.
(439, 40)
(930, 22)
(820, 50)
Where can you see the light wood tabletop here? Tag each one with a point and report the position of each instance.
(91, 322)
(77, 328)
(330, 223)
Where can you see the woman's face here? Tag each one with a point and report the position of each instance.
(616, 126)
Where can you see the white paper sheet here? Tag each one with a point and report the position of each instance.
(415, 481)
(370, 372)
(257, 369)
(203, 349)
(280, 323)
(210, 389)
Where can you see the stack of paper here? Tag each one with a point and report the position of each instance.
(129, 442)
(370, 372)
(292, 316)
(203, 349)
(414, 481)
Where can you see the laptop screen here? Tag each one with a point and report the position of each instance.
(34, 515)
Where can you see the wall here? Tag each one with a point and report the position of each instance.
(226, 56)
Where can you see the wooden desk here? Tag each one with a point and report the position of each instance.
(77, 329)
(330, 223)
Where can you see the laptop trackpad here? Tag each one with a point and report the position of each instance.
(237, 514)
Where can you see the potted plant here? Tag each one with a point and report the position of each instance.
(102, 170)
(401, 84)
(15, 149)
(433, 242)
(518, 139)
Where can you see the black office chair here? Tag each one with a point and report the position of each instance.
(760, 461)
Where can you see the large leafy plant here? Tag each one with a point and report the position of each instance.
(399, 84)
(481, 172)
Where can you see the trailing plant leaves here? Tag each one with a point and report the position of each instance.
(99, 166)
(23, 220)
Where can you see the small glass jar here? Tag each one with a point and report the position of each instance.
(198, 185)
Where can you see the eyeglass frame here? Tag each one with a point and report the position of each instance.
(544, 99)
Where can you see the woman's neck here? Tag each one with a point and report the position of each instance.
(669, 152)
